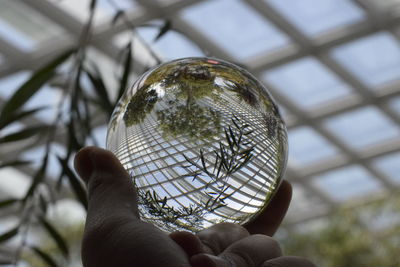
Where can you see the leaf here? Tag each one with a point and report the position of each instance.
(23, 134)
(163, 30)
(61, 243)
(44, 256)
(37, 179)
(92, 5)
(126, 71)
(8, 202)
(32, 86)
(9, 234)
(76, 185)
(117, 15)
(18, 116)
(14, 163)
(101, 90)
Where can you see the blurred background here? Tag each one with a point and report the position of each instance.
(333, 66)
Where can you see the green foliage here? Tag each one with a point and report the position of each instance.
(347, 241)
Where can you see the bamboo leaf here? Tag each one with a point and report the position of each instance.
(163, 30)
(126, 70)
(9, 234)
(44, 256)
(14, 163)
(101, 90)
(92, 5)
(228, 139)
(76, 185)
(55, 235)
(117, 15)
(32, 86)
(232, 136)
(15, 116)
(8, 202)
(23, 134)
(37, 178)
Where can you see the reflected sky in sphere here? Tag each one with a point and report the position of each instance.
(203, 141)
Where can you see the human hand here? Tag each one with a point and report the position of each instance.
(115, 236)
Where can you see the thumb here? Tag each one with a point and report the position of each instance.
(110, 189)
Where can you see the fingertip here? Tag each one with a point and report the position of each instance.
(189, 242)
(83, 163)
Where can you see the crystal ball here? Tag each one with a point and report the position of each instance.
(203, 142)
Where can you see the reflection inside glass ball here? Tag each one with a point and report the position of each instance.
(203, 141)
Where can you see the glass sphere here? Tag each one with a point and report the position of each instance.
(203, 141)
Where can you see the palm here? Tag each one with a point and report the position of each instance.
(115, 236)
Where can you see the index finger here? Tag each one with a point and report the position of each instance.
(268, 221)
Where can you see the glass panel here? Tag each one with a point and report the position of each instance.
(172, 45)
(13, 183)
(307, 83)
(375, 59)
(362, 127)
(106, 9)
(390, 166)
(308, 146)
(394, 105)
(24, 27)
(348, 182)
(304, 203)
(314, 17)
(235, 27)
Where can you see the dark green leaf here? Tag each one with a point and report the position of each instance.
(44, 256)
(14, 163)
(37, 178)
(93, 5)
(61, 243)
(18, 116)
(30, 87)
(101, 90)
(233, 136)
(76, 184)
(8, 202)
(9, 234)
(117, 15)
(126, 71)
(23, 134)
(163, 30)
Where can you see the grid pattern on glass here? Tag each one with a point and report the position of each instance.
(308, 147)
(389, 165)
(348, 183)
(242, 38)
(374, 59)
(315, 17)
(363, 127)
(307, 83)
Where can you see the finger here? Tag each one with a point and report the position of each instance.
(250, 251)
(110, 189)
(268, 221)
(288, 261)
(189, 242)
(218, 237)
